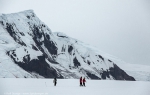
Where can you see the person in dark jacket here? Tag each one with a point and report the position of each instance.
(84, 81)
(55, 81)
(81, 81)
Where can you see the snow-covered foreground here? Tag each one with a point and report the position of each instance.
(11, 86)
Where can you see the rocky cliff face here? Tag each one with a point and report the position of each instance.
(32, 50)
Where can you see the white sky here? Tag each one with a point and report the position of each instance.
(118, 27)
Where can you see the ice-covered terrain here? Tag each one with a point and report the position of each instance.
(29, 49)
(9, 86)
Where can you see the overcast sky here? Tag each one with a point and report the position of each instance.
(118, 27)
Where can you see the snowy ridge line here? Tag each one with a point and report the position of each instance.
(37, 49)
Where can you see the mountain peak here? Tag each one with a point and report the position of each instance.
(36, 49)
(21, 12)
(27, 12)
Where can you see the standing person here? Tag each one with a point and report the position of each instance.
(55, 81)
(84, 82)
(80, 81)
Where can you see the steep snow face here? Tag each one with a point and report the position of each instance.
(7, 67)
(30, 46)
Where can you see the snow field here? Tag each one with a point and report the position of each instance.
(12, 86)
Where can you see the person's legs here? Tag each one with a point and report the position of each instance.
(83, 84)
(80, 83)
(55, 83)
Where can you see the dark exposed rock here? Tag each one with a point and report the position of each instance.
(37, 32)
(92, 76)
(109, 60)
(50, 46)
(101, 57)
(13, 34)
(47, 43)
(62, 36)
(70, 48)
(63, 49)
(105, 74)
(119, 74)
(88, 62)
(47, 36)
(28, 17)
(43, 25)
(1, 22)
(33, 47)
(76, 62)
(22, 33)
(38, 65)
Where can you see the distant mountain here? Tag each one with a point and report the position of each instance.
(30, 50)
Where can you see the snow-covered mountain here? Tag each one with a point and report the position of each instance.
(29, 49)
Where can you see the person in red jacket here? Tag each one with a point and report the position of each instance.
(81, 81)
(84, 82)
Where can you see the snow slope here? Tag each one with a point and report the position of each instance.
(71, 87)
(139, 72)
(32, 50)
